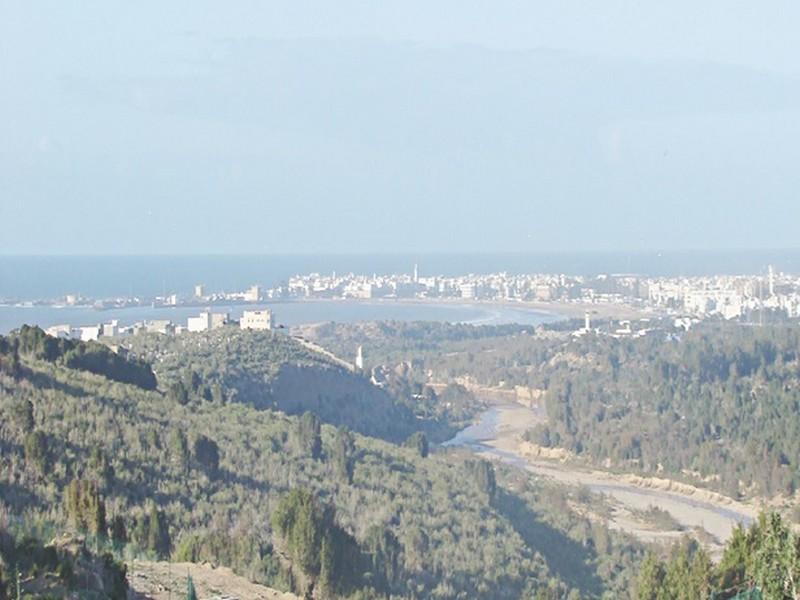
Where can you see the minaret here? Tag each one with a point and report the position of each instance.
(587, 322)
(771, 281)
(360, 359)
(416, 273)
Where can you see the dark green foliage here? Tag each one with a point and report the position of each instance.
(343, 455)
(158, 538)
(451, 543)
(100, 467)
(482, 473)
(178, 393)
(308, 438)
(84, 506)
(762, 561)
(118, 532)
(323, 551)
(419, 442)
(37, 453)
(273, 371)
(191, 594)
(99, 359)
(721, 401)
(86, 356)
(9, 359)
(206, 454)
(22, 415)
(179, 449)
(115, 580)
(385, 555)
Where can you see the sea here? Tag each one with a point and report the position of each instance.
(32, 278)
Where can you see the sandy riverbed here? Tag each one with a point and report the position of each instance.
(695, 509)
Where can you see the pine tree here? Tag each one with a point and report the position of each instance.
(419, 442)
(343, 455)
(191, 594)
(309, 438)
(158, 540)
(206, 453)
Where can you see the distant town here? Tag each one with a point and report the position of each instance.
(683, 299)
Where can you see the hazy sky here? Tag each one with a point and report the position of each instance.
(285, 127)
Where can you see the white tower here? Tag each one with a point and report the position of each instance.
(587, 322)
(360, 359)
(416, 273)
(771, 281)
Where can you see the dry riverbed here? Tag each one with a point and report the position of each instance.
(710, 516)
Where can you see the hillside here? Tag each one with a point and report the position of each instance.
(149, 476)
(716, 406)
(272, 371)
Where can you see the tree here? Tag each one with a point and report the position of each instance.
(323, 551)
(22, 414)
(85, 507)
(179, 449)
(309, 437)
(385, 556)
(650, 585)
(158, 539)
(775, 563)
(98, 462)
(191, 594)
(37, 453)
(206, 453)
(483, 475)
(419, 442)
(178, 393)
(343, 455)
(119, 534)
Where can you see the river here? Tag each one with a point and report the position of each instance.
(496, 435)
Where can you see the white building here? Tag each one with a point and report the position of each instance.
(60, 331)
(469, 291)
(110, 329)
(90, 333)
(253, 294)
(199, 291)
(202, 322)
(256, 319)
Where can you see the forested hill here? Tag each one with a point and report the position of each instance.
(271, 370)
(718, 406)
(284, 500)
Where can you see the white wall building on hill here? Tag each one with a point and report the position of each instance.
(256, 319)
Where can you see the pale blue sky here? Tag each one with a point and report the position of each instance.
(283, 127)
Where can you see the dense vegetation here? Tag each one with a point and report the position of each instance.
(271, 370)
(760, 562)
(720, 402)
(86, 356)
(718, 406)
(280, 498)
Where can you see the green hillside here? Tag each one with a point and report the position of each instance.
(144, 474)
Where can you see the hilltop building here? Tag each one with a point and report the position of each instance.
(257, 319)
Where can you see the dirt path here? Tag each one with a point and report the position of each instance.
(167, 581)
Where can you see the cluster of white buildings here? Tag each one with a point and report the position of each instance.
(728, 296)
(725, 296)
(205, 321)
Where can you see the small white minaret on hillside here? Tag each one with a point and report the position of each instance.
(360, 359)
